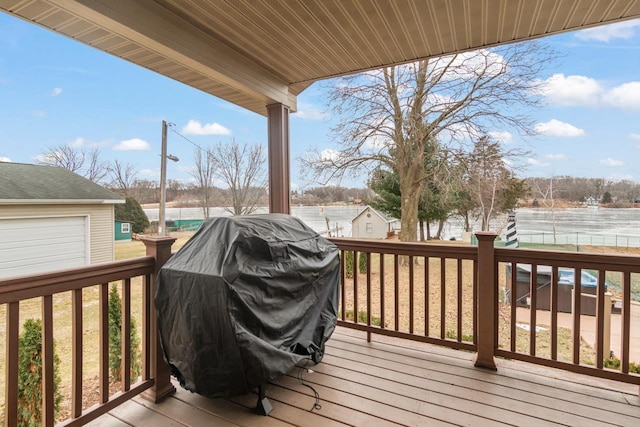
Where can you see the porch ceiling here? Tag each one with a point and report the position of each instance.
(259, 52)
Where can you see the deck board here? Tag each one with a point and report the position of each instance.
(543, 393)
(392, 382)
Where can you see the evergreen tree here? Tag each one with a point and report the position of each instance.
(30, 376)
(132, 212)
(115, 339)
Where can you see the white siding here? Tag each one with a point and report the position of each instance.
(100, 217)
(37, 245)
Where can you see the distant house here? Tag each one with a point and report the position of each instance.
(122, 231)
(373, 224)
(51, 219)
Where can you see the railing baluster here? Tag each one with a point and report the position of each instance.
(355, 286)
(411, 302)
(443, 296)
(426, 296)
(459, 332)
(48, 418)
(475, 300)
(512, 299)
(103, 314)
(146, 327)
(554, 312)
(343, 290)
(11, 364)
(368, 294)
(382, 320)
(600, 320)
(126, 335)
(625, 331)
(533, 307)
(76, 368)
(577, 312)
(396, 280)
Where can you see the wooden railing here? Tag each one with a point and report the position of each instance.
(568, 338)
(154, 380)
(418, 291)
(409, 290)
(439, 294)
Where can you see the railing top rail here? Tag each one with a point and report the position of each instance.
(610, 262)
(455, 251)
(25, 287)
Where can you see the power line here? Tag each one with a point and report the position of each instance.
(172, 128)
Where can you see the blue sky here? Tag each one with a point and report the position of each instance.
(55, 91)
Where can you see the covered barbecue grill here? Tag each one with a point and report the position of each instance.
(245, 300)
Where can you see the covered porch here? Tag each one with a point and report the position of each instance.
(426, 350)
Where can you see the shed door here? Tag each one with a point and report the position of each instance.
(36, 245)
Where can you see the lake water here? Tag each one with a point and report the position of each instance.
(612, 227)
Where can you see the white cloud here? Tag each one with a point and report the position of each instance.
(571, 90)
(556, 156)
(557, 128)
(5, 159)
(625, 96)
(310, 112)
(611, 162)
(132, 144)
(504, 137)
(536, 162)
(56, 91)
(605, 33)
(194, 127)
(468, 64)
(329, 154)
(79, 142)
(635, 136)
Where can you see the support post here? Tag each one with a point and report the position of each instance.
(279, 165)
(163, 182)
(486, 307)
(158, 247)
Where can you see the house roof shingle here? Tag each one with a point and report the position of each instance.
(24, 183)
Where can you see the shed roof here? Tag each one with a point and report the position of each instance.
(24, 183)
(388, 219)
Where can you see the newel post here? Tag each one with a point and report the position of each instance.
(158, 247)
(486, 308)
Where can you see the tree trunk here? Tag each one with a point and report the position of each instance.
(409, 208)
(421, 231)
(440, 229)
(428, 231)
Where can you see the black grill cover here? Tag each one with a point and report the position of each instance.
(245, 300)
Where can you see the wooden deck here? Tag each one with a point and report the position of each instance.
(397, 382)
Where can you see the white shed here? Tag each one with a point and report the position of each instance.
(52, 219)
(373, 224)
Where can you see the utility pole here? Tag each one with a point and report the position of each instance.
(163, 185)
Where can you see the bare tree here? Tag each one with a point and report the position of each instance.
(387, 116)
(85, 163)
(548, 199)
(203, 173)
(242, 168)
(122, 175)
(490, 182)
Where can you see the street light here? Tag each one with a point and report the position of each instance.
(162, 230)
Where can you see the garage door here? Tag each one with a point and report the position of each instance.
(36, 245)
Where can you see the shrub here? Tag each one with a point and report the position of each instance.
(132, 212)
(362, 262)
(30, 376)
(115, 338)
(348, 264)
(614, 363)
